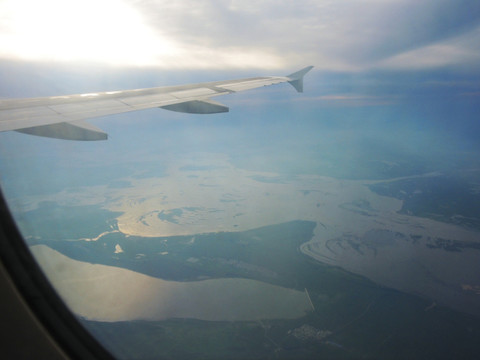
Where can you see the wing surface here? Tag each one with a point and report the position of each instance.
(62, 116)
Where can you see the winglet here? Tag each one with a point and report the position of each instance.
(296, 79)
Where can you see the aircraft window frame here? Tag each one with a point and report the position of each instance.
(37, 292)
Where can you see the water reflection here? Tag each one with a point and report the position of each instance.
(106, 293)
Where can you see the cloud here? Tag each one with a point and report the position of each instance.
(352, 100)
(339, 35)
(334, 35)
(462, 51)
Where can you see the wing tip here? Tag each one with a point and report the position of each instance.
(296, 78)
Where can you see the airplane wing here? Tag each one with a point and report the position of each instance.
(62, 117)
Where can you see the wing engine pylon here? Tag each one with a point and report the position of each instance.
(198, 107)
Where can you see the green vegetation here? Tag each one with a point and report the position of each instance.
(392, 326)
(451, 199)
(51, 222)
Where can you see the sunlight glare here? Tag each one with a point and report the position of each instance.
(107, 31)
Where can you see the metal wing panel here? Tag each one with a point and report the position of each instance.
(148, 101)
(90, 109)
(252, 83)
(14, 119)
(26, 113)
(196, 93)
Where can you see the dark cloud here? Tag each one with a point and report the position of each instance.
(332, 34)
(412, 25)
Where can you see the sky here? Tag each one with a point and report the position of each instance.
(389, 43)
(333, 35)
(370, 51)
